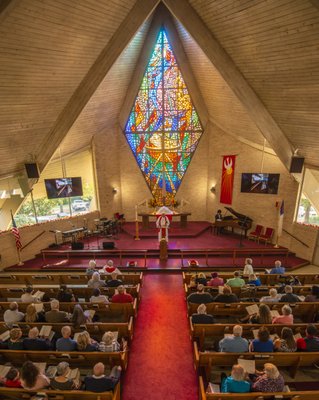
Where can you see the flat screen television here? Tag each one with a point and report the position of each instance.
(63, 187)
(260, 183)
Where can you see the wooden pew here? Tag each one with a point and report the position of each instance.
(76, 359)
(123, 311)
(80, 291)
(293, 395)
(209, 360)
(266, 279)
(96, 330)
(216, 331)
(303, 311)
(14, 394)
(58, 278)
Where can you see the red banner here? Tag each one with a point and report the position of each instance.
(226, 193)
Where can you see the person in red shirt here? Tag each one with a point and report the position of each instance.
(12, 379)
(311, 341)
(121, 296)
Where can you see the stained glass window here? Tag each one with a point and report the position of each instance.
(163, 128)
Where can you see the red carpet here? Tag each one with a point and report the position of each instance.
(160, 359)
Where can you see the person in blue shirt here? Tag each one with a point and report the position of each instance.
(253, 280)
(65, 343)
(263, 343)
(278, 269)
(234, 343)
(235, 383)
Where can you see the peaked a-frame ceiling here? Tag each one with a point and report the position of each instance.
(59, 60)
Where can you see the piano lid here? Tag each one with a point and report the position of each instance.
(241, 217)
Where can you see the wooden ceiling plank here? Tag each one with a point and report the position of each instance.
(183, 12)
(139, 13)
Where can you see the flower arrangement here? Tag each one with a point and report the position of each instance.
(153, 203)
(131, 264)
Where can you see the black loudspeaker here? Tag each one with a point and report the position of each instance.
(296, 165)
(108, 245)
(32, 170)
(77, 246)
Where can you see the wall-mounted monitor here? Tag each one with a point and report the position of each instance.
(260, 183)
(63, 187)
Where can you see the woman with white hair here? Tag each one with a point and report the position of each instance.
(248, 268)
(236, 382)
(92, 268)
(269, 380)
(61, 380)
(286, 318)
(96, 282)
(109, 343)
(109, 268)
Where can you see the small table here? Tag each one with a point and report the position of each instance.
(146, 219)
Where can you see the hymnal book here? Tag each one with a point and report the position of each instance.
(51, 371)
(220, 289)
(252, 309)
(91, 313)
(76, 335)
(255, 333)
(274, 313)
(248, 365)
(5, 336)
(213, 388)
(4, 369)
(301, 298)
(268, 271)
(297, 336)
(74, 374)
(38, 295)
(38, 307)
(45, 330)
(41, 366)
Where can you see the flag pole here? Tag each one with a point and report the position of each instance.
(276, 246)
(19, 258)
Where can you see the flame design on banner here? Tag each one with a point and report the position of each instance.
(228, 172)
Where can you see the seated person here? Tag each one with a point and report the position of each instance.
(263, 344)
(27, 296)
(263, 317)
(201, 279)
(314, 296)
(236, 382)
(215, 281)
(273, 297)
(202, 317)
(55, 315)
(226, 297)
(114, 282)
(31, 314)
(86, 343)
(200, 297)
(61, 381)
(96, 282)
(278, 269)
(66, 343)
(99, 382)
(311, 341)
(13, 315)
(109, 343)
(109, 268)
(32, 378)
(34, 342)
(269, 380)
(248, 268)
(80, 317)
(97, 297)
(236, 281)
(121, 296)
(12, 379)
(289, 296)
(253, 280)
(234, 343)
(65, 295)
(286, 343)
(15, 342)
(92, 268)
(286, 318)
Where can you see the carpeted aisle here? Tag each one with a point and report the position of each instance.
(161, 358)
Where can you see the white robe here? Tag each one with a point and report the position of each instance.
(162, 223)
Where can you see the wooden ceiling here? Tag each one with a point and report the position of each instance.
(49, 48)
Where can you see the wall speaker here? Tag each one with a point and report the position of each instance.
(32, 170)
(296, 165)
(108, 245)
(77, 246)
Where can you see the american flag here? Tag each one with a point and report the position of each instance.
(16, 233)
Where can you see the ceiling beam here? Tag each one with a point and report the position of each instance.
(121, 38)
(257, 111)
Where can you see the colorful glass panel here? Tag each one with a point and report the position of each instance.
(163, 128)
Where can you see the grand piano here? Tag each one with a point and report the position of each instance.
(240, 221)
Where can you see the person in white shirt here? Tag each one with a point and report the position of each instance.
(97, 297)
(273, 297)
(27, 296)
(109, 268)
(13, 315)
(248, 268)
